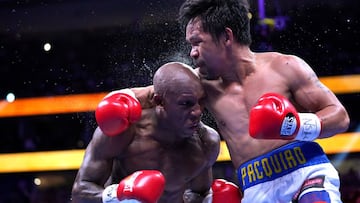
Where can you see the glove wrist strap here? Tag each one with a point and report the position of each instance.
(310, 127)
(109, 194)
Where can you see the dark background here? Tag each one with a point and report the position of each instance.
(100, 46)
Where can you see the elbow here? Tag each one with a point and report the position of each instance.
(75, 194)
(345, 123)
(337, 122)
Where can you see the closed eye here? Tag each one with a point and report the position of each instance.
(187, 103)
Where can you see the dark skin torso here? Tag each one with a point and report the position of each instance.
(148, 144)
(179, 162)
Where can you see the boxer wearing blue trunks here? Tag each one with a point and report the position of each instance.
(269, 107)
(279, 174)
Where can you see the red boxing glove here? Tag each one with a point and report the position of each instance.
(274, 117)
(145, 186)
(117, 111)
(224, 191)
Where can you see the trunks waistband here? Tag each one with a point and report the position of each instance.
(280, 162)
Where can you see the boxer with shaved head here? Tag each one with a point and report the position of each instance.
(150, 145)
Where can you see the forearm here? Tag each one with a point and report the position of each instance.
(86, 192)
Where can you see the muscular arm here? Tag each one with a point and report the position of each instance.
(145, 96)
(96, 167)
(200, 186)
(97, 164)
(310, 95)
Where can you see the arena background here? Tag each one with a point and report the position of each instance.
(58, 58)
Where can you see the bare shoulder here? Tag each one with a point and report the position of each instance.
(283, 62)
(107, 147)
(208, 133)
(277, 59)
(145, 95)
(290, 67)
(210, 139)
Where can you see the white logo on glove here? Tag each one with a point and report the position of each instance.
(288, 125)
(129, 183)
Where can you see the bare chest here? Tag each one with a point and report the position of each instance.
(179, 164)
(230, 107)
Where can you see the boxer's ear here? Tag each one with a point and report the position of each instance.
(228, 35)
(158, 100)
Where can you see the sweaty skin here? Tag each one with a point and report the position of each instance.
(169, 138)
(234, 78)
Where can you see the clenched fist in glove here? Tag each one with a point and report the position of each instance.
(146, 186)
(274, 117)
(221, 191)
(117, 111)
(225, 191)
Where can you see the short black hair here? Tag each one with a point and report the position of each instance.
(216, 15)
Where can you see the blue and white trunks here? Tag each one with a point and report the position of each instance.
(297, 172)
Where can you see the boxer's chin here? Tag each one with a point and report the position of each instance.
(209, 77)
(203, 74)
